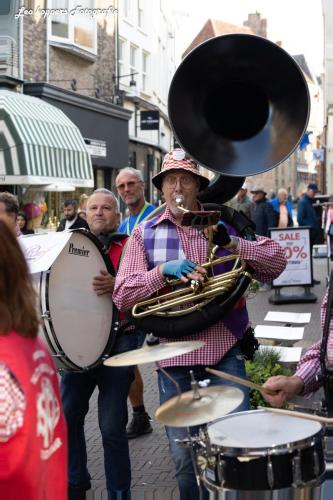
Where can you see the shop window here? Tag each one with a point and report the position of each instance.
(100, 181)
(132, 159)
(73, 25)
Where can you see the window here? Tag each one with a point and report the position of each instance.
(145, 59)
(140, 14)
(60, 22)
(133, 58)
(121, 56)
(126, 9)
(74, 26)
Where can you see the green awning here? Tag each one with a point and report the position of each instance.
(39, 144)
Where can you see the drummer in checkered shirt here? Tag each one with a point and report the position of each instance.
(142, 273)
(307, 378)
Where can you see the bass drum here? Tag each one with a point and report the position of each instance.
(77, 323)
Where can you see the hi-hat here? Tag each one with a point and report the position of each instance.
(185, 410)
(151, 353)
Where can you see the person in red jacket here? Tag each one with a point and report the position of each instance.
(33, 437)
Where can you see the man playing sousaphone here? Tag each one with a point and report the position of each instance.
(162, 248)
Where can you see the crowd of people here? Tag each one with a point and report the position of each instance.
(145, 254)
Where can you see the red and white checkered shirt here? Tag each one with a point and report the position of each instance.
(12, 404)
(134, 283)
(309, 366)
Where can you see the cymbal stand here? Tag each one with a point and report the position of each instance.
(191, 441)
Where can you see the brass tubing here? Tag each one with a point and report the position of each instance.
(211, 288)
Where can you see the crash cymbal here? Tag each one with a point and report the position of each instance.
(151, 353)
(185, 411)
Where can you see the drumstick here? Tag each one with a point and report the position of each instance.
(306, 416)
(239, 380)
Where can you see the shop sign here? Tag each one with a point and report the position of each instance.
(295, 242)
(149, 120)
(96, 147)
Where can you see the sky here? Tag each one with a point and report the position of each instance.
(297, 23)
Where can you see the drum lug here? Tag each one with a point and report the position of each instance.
(297, 474)
(270, 473)
(202, 462)
(46, 315)
(220, 470)
(316, 464)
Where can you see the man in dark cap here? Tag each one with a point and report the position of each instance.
(262, 214)
(306, 215)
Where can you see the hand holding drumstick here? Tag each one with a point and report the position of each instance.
(276, 390)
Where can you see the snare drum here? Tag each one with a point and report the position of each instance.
(77, 323)
(257, 450)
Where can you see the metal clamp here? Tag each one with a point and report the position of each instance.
(316, 464)
(297, 473)
(270, 473)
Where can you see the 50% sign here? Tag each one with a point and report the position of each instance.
(295, 252)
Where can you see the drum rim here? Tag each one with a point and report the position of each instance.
(47, 322)
(280, 449)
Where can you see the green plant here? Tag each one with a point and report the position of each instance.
(264, 365)
(252, 289)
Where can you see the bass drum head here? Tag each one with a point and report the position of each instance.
(260, 430)
(80, 319)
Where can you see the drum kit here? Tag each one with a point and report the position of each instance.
(264, 454)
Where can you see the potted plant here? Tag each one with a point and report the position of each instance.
(264, 365)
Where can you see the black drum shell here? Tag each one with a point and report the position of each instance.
(230, 473)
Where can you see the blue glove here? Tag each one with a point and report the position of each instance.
(221, 237)
(178, 268)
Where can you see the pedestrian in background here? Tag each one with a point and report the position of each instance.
(283, 209)
(9, 208)
(71, 218)
(242, 202)
(306, 215)
(263, 214)
(130, 187)
(22, 222)
(328, 227)
(33, 438)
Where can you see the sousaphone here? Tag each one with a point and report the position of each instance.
(239, 105)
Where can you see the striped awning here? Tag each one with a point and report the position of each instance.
(39, 144)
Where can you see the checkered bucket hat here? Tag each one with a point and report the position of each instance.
(177, 160)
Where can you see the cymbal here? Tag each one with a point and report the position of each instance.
(149, 354)
(185, 411)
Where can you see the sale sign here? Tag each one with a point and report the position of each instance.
(295, 242)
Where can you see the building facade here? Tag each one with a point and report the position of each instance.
(146, 63)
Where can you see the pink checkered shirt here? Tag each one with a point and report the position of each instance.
(309, 366)
(12, 404)
(134, 283)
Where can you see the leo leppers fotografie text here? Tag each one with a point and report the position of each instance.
(77, 10)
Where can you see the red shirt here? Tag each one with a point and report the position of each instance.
(33, 436)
